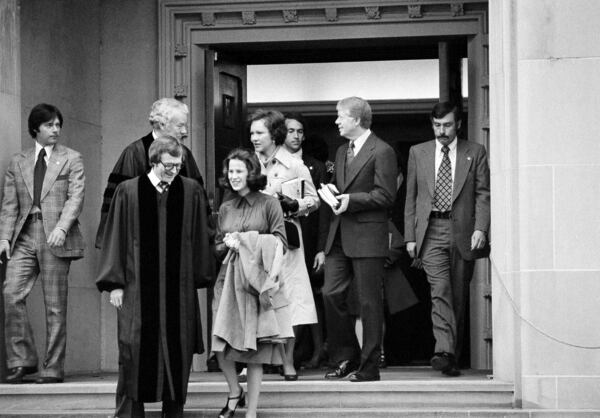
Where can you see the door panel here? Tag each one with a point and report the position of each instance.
(229, 80)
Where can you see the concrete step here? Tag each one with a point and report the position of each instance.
(394, 395)
(330, 413)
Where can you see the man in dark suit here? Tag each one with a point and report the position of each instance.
(357, 243)
(168, 117)
(447, 217)
(39, 233)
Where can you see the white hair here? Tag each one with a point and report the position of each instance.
(163, 109)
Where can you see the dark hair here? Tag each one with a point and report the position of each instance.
(256, 181)
(162, 145)
(274, 121)
(357, 108)
(42, 113)
(441, 109)
(297, 117)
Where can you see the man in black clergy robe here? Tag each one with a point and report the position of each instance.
(168, 117)
(155, 253)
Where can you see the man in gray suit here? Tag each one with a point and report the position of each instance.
(39, 234)
(357, 243)
(446, 221)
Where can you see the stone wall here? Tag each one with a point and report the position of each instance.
(545, 78)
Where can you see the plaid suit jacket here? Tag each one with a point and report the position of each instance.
(61, 199)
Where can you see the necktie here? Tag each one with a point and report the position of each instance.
(38, 177)
(350, 153)
(163, 185)
(443, 185)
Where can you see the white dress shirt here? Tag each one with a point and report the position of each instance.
(155, 181)
(360, 141)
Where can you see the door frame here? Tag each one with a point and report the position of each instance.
(186, 28)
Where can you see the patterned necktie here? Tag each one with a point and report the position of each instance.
(38, 177)
(443, 185)
(350, 153)
(163, 185)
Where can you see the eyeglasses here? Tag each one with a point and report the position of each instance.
(171, 166)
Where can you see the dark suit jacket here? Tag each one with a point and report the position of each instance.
(470, 196)
(61, 199)
(371, 184)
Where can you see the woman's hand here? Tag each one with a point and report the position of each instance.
(231, 240)
(116, 298)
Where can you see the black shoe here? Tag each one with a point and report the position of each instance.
(228, 413)
(49, 379)
(452, 371)
(212, 364)
(290, 377)
(17, 373)
(364, 377)
(343, 369)
(445, 363)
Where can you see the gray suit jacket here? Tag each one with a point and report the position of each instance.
(61, 198)
(470, 196)
(371, 184)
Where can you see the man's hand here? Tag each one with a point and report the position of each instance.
(56, 238)
(411, 249)
(116, 298)
(478, 240)
(319, 261)
(344, 200)
(4, 249)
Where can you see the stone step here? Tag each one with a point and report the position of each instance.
(330, 413)
(395, 395)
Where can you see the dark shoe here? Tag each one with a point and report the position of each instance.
(442, 361)
(343, 369)
(290, 377)
(363, 377)
(382, 363)
(452, 371)
(212, 364)
(49, 379)
(241, 402)
(445, 363)
(16, 374)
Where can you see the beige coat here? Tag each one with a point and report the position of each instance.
(252, 307)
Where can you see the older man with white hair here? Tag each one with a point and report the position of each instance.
(168, 117)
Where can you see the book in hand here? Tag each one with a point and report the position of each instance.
(293, 188)
(328, 193)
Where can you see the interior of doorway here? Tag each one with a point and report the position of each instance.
(409, 339)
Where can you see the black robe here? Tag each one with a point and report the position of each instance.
(157, 307)
(134, 162)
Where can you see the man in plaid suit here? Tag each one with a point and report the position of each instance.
(39, 235)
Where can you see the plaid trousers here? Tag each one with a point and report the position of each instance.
(31, 258)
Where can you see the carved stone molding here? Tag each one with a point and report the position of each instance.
(457, 9)
(180, 51)
(331, 14)
(414, 11)
(373, 12)
(290, 16)
(248, 18)
(208, 19)
(179, 91)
